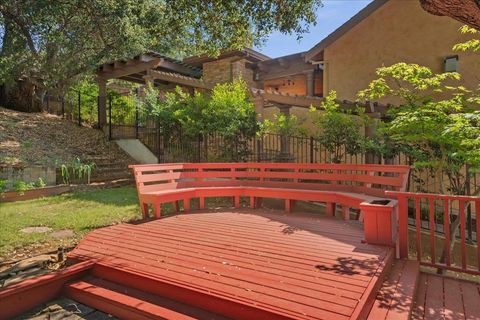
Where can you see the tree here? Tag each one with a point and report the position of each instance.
(436, 120)
(337, 131)
(465, 11)
(48, 45)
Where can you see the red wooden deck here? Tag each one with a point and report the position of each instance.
(294, 266)
(446, 298)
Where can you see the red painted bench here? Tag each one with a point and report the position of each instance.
(350, 186)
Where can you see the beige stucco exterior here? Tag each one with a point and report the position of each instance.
(399, 31)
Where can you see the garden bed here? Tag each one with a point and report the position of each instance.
(11, 196)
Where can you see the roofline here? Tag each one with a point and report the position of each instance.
(344, 28)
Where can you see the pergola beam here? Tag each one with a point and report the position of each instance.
(181, 80)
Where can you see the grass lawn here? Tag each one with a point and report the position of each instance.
(79, 211)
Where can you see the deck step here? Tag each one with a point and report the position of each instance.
(395, 298)
(130, 303)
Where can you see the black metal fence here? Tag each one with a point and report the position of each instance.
(78, 107)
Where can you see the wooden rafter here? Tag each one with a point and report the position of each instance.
(179, 79)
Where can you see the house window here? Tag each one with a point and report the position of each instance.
(451, 64)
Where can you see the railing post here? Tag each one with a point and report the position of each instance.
(79, 104)
(403, 226)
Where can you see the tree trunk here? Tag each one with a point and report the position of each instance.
(465, 11)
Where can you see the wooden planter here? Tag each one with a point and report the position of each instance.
(11, 196)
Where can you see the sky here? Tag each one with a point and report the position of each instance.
(332, 15)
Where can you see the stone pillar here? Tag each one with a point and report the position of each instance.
(259, 105)
(285, 140)
(102, 102)
(310, 80)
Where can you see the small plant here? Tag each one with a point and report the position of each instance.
(40, 183)
(78, 170)
(65, 174)
(22, 186)
(3, 185)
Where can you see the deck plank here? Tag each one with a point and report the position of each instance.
(443, 297)
(453, 300)
(471, 300)
(305, 266)
(434, 298)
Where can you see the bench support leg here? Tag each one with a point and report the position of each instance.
(258, 202)
(156, 210)
(288, 205)
(330, 209)
(252, 202)
(186, 204)
(201, 203)
(177, 206)
(144, 210)
(236, 202)
(346, 212)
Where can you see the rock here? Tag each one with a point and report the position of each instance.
(36, 230)
(29, 263)
(61, 234)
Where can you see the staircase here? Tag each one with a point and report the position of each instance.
(130, 303)
(112, 167)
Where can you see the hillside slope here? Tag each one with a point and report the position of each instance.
(44, 139)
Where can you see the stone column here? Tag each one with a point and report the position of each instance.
(310, 80)
(102, 102)
(285, 140)
(259, 105)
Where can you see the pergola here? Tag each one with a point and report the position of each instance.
(149, 67)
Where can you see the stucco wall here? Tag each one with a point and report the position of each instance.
(399, 31)
(298, 84)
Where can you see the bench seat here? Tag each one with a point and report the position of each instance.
(347, 185)
(346, 200)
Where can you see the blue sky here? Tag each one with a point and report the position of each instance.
(329, 17)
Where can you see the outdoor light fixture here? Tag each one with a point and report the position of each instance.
(451, 64)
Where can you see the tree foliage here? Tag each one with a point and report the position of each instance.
(54, 43)
(285, 125)
(438, 122)
(339, 132)
(227, 110)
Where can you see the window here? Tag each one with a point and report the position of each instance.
(451, 64)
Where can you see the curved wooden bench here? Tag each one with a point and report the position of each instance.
(350, 186)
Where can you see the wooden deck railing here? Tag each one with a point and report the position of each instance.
(440, 208)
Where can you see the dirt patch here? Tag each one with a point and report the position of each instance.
(45, 139)
(36, 230)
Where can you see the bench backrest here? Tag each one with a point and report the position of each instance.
(366, 179)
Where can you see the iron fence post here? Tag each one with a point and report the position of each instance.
(79, 103)
(110, 117)
(311, 150)
(63, 106)
(98, 111)
(136, 121)
(48, 103)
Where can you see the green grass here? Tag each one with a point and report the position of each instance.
(79, 211)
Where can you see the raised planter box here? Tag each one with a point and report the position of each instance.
(11, 196)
